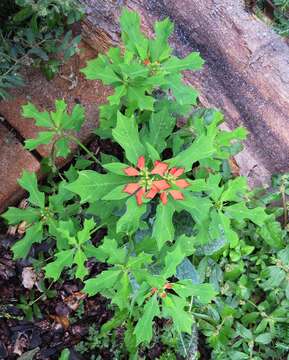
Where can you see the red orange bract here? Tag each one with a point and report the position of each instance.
(148, 185)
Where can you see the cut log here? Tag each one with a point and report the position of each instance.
(246, 73)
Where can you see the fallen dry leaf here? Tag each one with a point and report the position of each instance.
(21, 343)
(21, 228)
(62, 321)
(73, 300)
(29, 277)
(234, 167)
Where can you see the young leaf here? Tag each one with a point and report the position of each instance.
(57, 121)
(85, 234)
(272, 233)
(126, 134)
(129, 222)
(264, 339)
(235, 189)
(112, 252)
(15, 215)
(59, 113)
(98, 69)
(201, 148)
(161, 125)
(55, 268)
(116, 168)
(163, 229)
(106, 280)
(132, 35)
(239, 212)
(144, 326)
(28, 181)
(204, 292)
(62, 146)
(159, 48)
(172, 260)
(173, 307)
(79, 260)
(92, 186)
(42, 119)
(121, 299)
(192, 62)
(34, 234)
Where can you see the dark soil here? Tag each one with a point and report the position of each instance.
(57, 327)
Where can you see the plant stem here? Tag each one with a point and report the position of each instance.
(41, 296)
(79, 143)
(191, 304)
(97, 228)
(282, 190)
(53, 160)
(183, 344)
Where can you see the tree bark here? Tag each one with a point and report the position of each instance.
(246, 74)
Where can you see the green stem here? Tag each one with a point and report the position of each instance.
(131, 248)
(97, 228)
(83, 147)
(41, 296)
(183, 344)
(55, 169)
(282, 190)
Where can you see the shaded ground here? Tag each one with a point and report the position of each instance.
(58, 320)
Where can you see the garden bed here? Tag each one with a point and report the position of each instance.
(144, 242)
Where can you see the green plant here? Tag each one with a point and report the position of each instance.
(280, 14)
(181, 231)
(146, 76)
(94, 341)
(36, 33)
(65, 354)
(29, 307)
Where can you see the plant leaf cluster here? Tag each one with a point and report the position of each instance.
(185, 241)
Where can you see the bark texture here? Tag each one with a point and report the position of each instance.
(246, 72)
